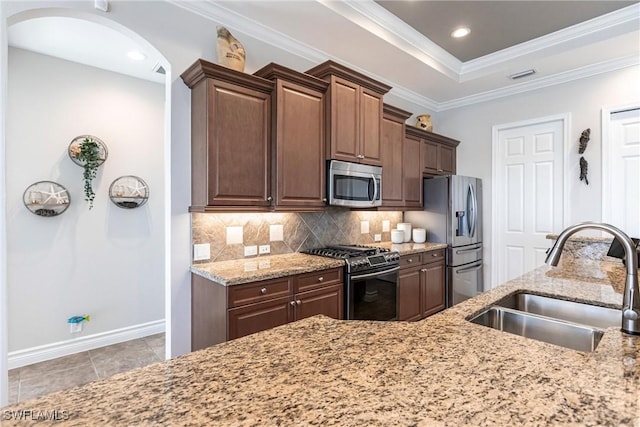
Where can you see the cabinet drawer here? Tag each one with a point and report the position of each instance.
(258, 291)
(410, 260)
(317, 279)
(433, 256)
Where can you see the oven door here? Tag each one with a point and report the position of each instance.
(372, 296)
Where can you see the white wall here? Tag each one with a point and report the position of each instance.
(108, 261)
(583, 99)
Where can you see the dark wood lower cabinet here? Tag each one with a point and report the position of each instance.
(220, 313)
(421, 285)
(408, 294)
(433, 288)
(258, 317)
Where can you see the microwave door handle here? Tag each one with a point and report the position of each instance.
(375, 189)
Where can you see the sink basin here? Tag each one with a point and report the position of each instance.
(584, 314)
(552, 331)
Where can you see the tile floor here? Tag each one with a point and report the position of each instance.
(35, 380)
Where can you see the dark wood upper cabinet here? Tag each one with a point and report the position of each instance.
(354, 114)
(412, 173)
(230, 135)
(298, 138)
(392, 154)
(438, 152)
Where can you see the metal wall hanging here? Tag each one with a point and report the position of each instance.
(89, 152)
(584, 165)
(46, 198)
(129, 192)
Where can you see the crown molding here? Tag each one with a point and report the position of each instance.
(387, 26)
(618, 18)
(543, 82)
(217, 12)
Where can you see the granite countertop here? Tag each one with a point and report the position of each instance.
(247, 270)
(441, 371)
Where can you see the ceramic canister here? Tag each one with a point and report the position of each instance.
(419, 235)
(397, 236)
(406, 227)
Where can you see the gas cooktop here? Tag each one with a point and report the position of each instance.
(346, 251)
(359, 258)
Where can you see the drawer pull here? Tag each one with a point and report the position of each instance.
(263, 291)
(410, 260)
(320, 279)
(435, 254)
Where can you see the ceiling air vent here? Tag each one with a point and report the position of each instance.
(522, 74)
(159, 69)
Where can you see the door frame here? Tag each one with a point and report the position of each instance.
(606, 158)
(565, 118)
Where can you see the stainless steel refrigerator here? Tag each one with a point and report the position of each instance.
(453, 215)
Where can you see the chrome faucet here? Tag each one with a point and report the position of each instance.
(631, 297)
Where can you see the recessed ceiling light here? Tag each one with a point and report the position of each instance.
(136, 56)
(460, 32)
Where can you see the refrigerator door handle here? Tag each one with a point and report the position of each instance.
(474, 211)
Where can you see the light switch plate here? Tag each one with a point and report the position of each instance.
(364, 227)
(276, 233)
(377, 237)
(250, 250)
(386, 225)
(264, 249)
(201, 251)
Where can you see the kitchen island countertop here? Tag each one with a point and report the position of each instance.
(441, 371)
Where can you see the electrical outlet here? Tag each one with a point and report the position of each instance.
(386, 225)
(377, 237)
(250, 250)
(364, 227)
(264, 249)
(201, 251)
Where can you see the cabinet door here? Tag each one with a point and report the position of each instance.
(412, 173)
(392, 170)
(300, 150)
(370, 127)
(447, 159)
(409, 294)
(258, 317)
(345, 122)
(238, 168)
(429, 157)
(433, 288)
(327, 301)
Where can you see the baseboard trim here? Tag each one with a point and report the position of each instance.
(41, 353)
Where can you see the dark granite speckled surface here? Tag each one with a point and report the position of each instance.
(442, 371)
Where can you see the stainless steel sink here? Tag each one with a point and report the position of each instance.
(552, 331)
(584, 314)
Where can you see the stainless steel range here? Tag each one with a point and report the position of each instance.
(371, 280)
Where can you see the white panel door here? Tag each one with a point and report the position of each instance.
(621, 172)
(529, 189)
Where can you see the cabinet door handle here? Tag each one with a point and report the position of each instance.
(269, 199)
(324, 200)
(263, 291)
(293, 303)
(320, 279)
(298, 302)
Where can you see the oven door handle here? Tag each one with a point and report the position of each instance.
(377, 273)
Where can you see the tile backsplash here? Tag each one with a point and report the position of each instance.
(294, 232)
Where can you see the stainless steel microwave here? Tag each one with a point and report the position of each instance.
(354, 185)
